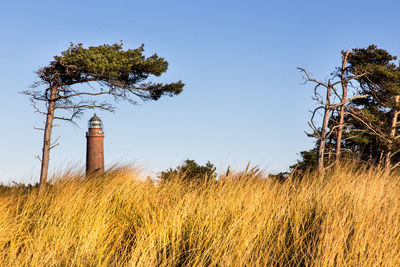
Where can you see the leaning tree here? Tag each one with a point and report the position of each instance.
(106, 70)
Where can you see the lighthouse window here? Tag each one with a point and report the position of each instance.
(95, 124)
(99, 154)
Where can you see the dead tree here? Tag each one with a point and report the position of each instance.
(323, 133)
(343, 100)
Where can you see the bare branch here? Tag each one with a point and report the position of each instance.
(332, 130)
(37, 110)
(53, 146)
(311, 79)
(336, 93)
(38, 157)
(395, 166)
(314, 112)
(86, 93)
(55, 143)
(368, 125)
(103, 106)
(314, 129)
(349, 79)
(355, 97)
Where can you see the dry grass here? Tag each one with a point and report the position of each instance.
(349, 218)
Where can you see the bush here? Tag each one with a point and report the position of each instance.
(190, 171)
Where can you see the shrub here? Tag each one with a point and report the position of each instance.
(190, 171)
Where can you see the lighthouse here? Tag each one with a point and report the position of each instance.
(95, 146)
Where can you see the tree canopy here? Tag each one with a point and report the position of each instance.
(120, 73)
(190, 171)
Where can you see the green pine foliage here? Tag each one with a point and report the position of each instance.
(190, 171)
(308, 161)
(124, 72)
(381, 83)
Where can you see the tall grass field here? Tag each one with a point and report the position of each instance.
(349, 217)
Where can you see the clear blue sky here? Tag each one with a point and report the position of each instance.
(243, 100)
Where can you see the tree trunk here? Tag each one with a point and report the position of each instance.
(388, 163)
(47, 137)
(380, 164)
(342, 107)
(322, 142)
(370, 155)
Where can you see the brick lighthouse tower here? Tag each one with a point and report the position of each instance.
(95, 146)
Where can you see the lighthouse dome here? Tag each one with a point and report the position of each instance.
(95, 122)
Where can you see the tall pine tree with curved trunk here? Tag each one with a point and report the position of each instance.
(107, 70)
(378, 113)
